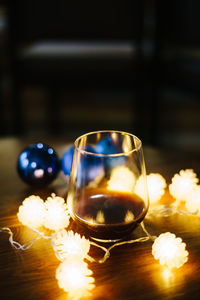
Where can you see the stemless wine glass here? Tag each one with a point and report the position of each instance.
(108, 194)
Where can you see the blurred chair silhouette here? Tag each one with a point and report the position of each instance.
(73, 45)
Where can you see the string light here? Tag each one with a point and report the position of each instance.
(57, 216)
(66, 243)
(170, 250)
(122, 179)
(73, 274)
(182, 185)
(32, 212)
(71, 249)
(75, 278)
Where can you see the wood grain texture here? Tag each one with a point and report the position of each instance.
(130, 273)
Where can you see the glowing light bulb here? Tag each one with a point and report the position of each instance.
(32, 212)
(156, 185)
(57, 215)
(121, 179)
(66, 243)
(75, 278)
(182, 185)
(193, 200)
(169, 250)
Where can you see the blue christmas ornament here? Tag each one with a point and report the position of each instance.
(38, 165)
(107, 146)
(90, 166)
(66, 161)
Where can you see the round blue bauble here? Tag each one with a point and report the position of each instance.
(89, 167)
(66, 161)
(38, 165)
(107, 146)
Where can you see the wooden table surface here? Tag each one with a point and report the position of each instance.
(130, 273)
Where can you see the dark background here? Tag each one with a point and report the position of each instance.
(68, 67)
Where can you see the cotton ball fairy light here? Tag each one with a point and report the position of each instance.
(193, 201)
(121, 179)
(156, 185)
(170, 250)
(75, 278)
(57, 216)
(182, 185)
(32, 212)
(66, 243)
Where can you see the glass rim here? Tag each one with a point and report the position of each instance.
(137, 148)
